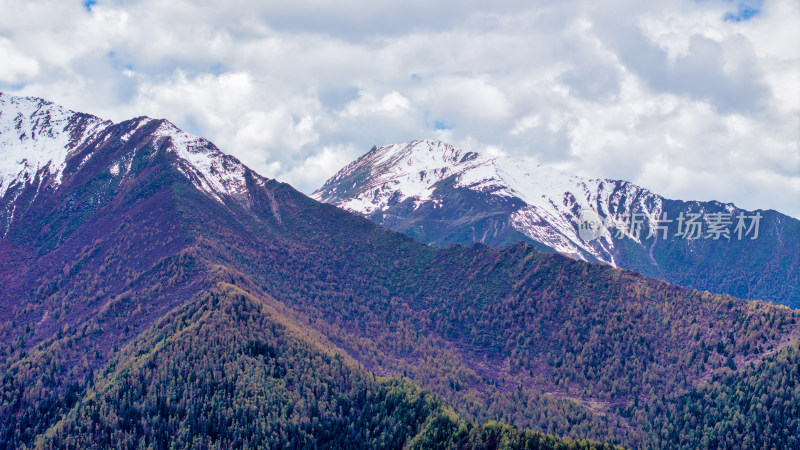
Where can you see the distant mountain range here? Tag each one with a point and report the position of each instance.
(442, 196)
(156, 292)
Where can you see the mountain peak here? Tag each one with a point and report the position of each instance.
(37, 135)
(421, 152)
(38, 139)
(395, 182)
(211, 170)
(392, 173)
(440, 195)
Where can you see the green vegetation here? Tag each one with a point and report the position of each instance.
(446, 430)
(758, 407)
(224, 374)
(533, 339)
(167, 319)
(227, 371)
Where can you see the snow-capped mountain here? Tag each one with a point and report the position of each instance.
(541, 203)
(137, 261)
(36, 137)
(41, 144)
(427, 189)
(442, 195)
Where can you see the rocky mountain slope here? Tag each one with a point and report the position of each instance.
(442, 195)
(154, 290)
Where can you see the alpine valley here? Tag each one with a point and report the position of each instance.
(443, 196)
(156, 293)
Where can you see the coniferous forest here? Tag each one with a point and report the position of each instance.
(140, 311)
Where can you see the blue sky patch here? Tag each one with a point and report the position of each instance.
(11, 87)
(745, 10)
(218, 69)
(441, 125)
(117, 63)
(88, 4)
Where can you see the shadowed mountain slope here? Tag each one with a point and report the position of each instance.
(153, 286)
(441, 195)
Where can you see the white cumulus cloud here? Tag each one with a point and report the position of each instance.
(687, 98)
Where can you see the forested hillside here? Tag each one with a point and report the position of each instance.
(442, 195)
(149, 297)
(537, 339)
(228, 370)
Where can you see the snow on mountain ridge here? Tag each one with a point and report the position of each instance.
(35, 135)
(554, 201)
(557, 199)
(410, 169)
(213, 171)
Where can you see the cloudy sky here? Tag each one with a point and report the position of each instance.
(695, 99)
